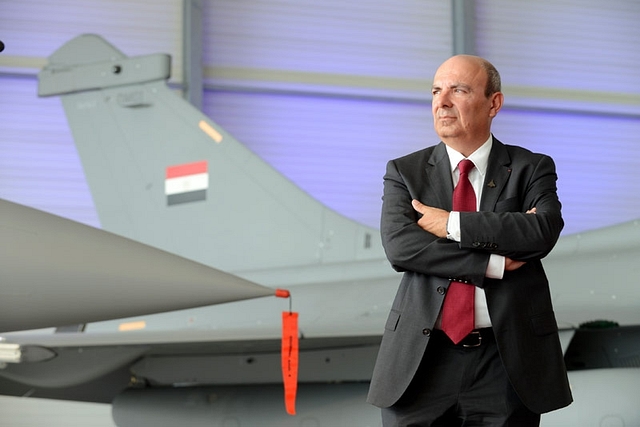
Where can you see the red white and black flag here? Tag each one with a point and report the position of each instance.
(186, 183)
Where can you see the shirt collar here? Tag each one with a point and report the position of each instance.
(480, 157)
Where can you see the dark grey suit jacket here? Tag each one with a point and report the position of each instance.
(519, 304)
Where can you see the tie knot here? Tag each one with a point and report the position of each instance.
(465, 166)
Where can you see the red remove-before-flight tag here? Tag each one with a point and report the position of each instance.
(290, 359)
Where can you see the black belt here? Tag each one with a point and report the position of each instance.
(476, 338)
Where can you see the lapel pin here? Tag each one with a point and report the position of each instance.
(491, 184)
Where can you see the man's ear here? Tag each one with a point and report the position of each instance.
(497, 99)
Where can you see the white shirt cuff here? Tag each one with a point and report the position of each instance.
(495, 268)
(453, 226)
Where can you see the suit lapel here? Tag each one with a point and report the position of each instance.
(498, 173)
(438, 172)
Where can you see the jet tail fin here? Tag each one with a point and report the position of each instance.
(88, 62)
(163, 173)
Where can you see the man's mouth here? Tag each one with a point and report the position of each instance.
(445, 115)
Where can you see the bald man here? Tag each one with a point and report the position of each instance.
(471, 339)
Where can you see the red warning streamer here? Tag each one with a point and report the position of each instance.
(290, 359)
(290, 351)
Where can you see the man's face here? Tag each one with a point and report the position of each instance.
(461, 112)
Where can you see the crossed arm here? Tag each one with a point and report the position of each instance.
(435, 220)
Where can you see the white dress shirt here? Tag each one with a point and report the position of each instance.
(495, 268)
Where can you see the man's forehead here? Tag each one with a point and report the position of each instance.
(451, 84)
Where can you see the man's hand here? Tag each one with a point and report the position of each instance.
(433, 220)
(510, 264)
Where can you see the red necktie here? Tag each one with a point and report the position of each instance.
(457, 311)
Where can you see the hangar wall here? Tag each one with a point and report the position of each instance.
(328, 91)
(319, 86)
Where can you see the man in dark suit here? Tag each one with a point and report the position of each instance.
(509, 368)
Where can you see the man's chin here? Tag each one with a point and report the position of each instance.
(446, 132)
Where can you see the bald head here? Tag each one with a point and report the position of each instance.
(494, 83)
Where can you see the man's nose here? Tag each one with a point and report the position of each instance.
(442, 100)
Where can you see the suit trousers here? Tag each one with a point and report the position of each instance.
(460, 386)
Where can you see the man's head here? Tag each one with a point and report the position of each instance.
(466, 98)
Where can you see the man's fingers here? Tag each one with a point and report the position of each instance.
(532, 211)
(511, 265)
(417, 205)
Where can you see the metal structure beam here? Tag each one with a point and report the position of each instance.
(464, 28)
(192, 51)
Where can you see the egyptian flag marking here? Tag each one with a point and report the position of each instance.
(186, 183)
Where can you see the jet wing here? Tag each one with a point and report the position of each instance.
(592, 275)
(57, 272)
(236, 343)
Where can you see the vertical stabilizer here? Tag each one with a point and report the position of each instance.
(163, 173)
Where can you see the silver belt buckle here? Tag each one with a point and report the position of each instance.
(478, 344)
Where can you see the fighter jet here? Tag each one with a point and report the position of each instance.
(163, 174)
